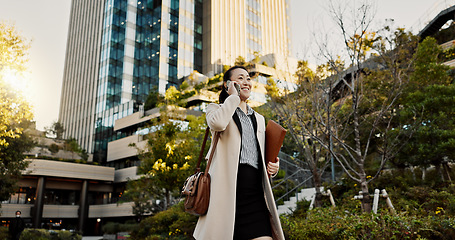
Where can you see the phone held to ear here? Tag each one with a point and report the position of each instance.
(236, 85)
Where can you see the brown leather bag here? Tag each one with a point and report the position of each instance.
(197, 186)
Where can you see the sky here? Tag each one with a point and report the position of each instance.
(45, 23)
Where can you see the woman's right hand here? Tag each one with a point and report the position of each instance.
(231, 89)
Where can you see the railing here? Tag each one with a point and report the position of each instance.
(430, 14)
(293, 190)
(297, 177)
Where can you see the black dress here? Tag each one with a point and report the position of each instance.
(251, 216)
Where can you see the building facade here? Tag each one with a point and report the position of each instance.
(233, 28)
(119, 51)
(66, 195)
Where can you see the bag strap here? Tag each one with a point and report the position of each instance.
(198, 169)
(215, 139)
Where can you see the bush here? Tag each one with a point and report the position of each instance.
(426, 210)
(54, 148)
(328, 223)
(173, 223)
(4, 233)
(113, 227)
(43, 234)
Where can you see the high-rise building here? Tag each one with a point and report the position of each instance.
(233, 28)
(120, 50)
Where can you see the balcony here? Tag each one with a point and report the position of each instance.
(71, 211)
(39, 167)
(120, 148)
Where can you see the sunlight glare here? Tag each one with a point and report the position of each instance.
(18, 81)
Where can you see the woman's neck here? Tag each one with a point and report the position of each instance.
(242, 106)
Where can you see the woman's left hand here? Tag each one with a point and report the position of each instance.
(273, 167)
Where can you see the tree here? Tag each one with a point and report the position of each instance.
(56, 129)
(170, 155)
(142, 192)
(14, 109)
(430, 100)
(363, 132)
(305, 113)
(54, 148)
(433, 142)
(72, 146)
(15, 112)
(153, 99)
(240, 61)
(348, 106)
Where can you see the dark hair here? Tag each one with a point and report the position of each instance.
(227, 76)
(18, 212)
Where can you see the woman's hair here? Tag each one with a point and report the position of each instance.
(227, 76)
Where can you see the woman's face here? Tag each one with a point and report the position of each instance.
(241, 77)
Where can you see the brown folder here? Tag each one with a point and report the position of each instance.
(274, 137)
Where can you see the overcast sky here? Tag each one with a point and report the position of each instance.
(46, 23)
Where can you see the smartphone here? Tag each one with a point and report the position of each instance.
(236, 85)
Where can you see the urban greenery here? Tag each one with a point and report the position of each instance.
(169, 158)
(15, 112)
(43, 234)
(173, 223)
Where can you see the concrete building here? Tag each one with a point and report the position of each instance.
(120, 50)
(66, 195)
(59, 191)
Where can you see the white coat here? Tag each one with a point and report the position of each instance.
(218, 224)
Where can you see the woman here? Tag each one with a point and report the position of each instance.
(241, 200)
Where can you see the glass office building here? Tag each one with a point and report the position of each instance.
(119, 51)
(143, 44)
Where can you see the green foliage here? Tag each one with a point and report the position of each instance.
(427, 69)
(142, 192)
(54, 148)
(114, 227)
(215, 79)
(273, 92)
(448, 54)
(433, 139)
(15, 111)
(240, 61)
(179, 96)
(154, 99)
(43, 234)
(4, 234)
(429, 102)
(82, 161)
(73, 146)
(329, 223)
(172, 153)
(56, 129)
(173, 223)
(12, 163)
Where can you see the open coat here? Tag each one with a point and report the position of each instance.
(218, 224)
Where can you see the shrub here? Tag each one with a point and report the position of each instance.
(4, 233)
(173, 223)
(114, 227)
(328, 223)
(43, 234)
(54, 148)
